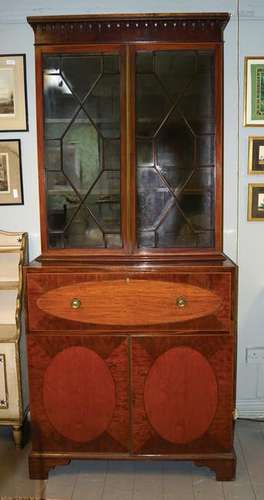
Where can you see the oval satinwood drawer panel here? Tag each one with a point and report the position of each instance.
(129, 302)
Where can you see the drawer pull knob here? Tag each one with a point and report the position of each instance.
(75, 303)
(181, 302)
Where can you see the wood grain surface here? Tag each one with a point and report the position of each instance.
(130, 301)
(218, 352)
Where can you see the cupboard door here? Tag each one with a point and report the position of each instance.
(81, 112)
(182, 394)
(175, 148)
(79, 393)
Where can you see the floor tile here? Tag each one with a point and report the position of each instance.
(177, 481)
(61, 482)
(88, 490)
(116, 494)
(259, 491)
(205, 487)
(252, 444)
(144, 480)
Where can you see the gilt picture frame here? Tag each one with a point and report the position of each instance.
(254, 92)
(13, 94)
(11, 185)
(256, 202)
(256, 155)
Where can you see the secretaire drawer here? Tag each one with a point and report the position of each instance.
(132, 301)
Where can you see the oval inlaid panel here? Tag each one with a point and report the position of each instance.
(181, 395)
(129, 302)
(79, 394)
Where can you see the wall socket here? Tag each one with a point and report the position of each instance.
(255, 354)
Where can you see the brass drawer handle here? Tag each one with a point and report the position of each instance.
(75, 303)
(181, 302)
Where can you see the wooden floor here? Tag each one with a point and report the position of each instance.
(138, 480)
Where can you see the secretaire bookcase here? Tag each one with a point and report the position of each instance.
(131, 305)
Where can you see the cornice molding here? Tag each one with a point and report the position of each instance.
(52, 29)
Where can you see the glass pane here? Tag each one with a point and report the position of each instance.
(81, 72)
(81, 153)
(111, 63)
(51, 65)
(82, 150)
(152, 104)
(104, 202)
(153, 198)
(206, 149)
(175, 136)
(53, 155)
(176, 143)
(61, 198)
(60, 106)
(145, 153)
(197, 106)
(145, 62)
(83, 232)
(175, 231)
(175, 72)
(111, 154)
(103, 106)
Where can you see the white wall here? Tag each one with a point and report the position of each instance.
(243, 241)
(250, 234)
(18, 39)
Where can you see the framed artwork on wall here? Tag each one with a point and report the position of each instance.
(13, 98)
(11, 185)
(254, 92)
(256, 155)
(256, 202)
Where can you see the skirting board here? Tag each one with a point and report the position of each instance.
(250, 408)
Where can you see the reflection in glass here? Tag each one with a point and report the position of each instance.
(145, 153)
(175, 139)
(104, 201)
(103, 106)
(81, 73)
(82, 150)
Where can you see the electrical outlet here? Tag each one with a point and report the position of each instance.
(255, 354)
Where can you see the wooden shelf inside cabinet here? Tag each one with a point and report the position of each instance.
(131, 305)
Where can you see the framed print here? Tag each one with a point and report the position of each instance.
(255, 155)
(256, 202)
(13, 99)
(11, 186)
(254, 92)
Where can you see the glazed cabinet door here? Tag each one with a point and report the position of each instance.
(81, 139)
(79, 393)
(182, 394)
(175, 134)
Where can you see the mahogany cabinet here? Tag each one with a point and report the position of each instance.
(131, 307)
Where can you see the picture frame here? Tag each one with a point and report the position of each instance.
(13, 93)
(11, 184)
(256, 202)
(254, 92)
(256, 155)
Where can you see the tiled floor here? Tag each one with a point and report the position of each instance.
(138, 480)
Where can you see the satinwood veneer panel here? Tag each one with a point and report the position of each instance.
(79, 393)
(130, 300)
(182, 394)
